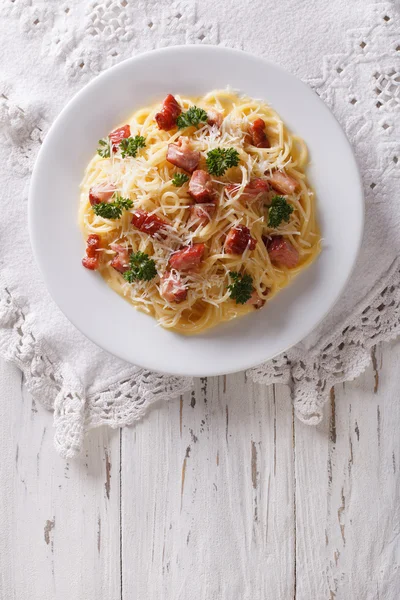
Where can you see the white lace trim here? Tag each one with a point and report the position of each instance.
(339, 357)
(54, 384)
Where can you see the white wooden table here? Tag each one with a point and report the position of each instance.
(220, 495)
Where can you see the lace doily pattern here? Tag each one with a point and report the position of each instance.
(362, 87)
(361, 84)
(341, 357)
(88, 37)
(55, 385)
(22, 131)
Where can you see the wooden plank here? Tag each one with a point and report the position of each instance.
(212, 487)
(347, 490)
(207, 496)
(59, 520)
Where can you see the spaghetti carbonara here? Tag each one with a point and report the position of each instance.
(197, 210)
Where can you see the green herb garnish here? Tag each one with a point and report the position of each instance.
(280, 210)
(141, 267)
(129, 146)
(221, 159)
(242, 287)
(112, 210)
(179, 179)
(104, 149)
(194, 116)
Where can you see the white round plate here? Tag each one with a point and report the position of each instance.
(109, 320)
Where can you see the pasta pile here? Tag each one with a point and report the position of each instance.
(147, 180)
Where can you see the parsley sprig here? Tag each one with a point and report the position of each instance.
(280, 210)
(112, 210)
(129, 146)
(194, 116)
(221, 159)
(141, 267)
(241, 288)
(104, 148)
(179, 179)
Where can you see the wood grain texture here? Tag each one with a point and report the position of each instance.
(347, 490)
(220, 495)
(59, 520)
(213, 505)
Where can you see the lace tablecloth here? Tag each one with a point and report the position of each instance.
(349, 54)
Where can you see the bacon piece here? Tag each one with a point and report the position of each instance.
(147, 223)
(256, 301)
(120, 262)
(238, 239)
(90, 263)
(187, 258)
(200, 214)
(257, 135)
(256, 189)
(282, 252)
(214, 117)
(92, 258)
(283, 183)
(180, 155)
(118, 135)
(166, 118)
(172, 288)
(201, 187)
(102, 192)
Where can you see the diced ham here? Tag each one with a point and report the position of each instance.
(282, 252)
(257, 134)
(118, 135)
(93, 244)
(187, 258)
(256, 300)
(201, 187)
(102, 192)
(214, 117)
(92, 258)
(283, 183)
(200, 214)
(90, 263)
(180, 155)
(147, 223)
(256, 189)
(166, 118)
(120, 262)
(238, 239)
(172, 288)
